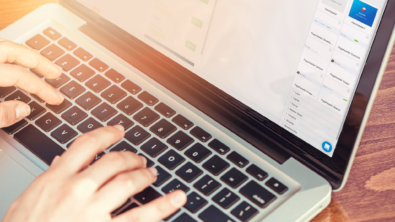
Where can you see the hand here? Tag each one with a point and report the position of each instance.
(15, 75)
(71, 191)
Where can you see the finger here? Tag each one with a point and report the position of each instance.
(112, 164)
(12, 52)
(55, 160)
(14, 75)
(155, 210)
(12, 112)
(117, 191)
(83, 150)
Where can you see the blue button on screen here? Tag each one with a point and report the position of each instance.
(327, 147)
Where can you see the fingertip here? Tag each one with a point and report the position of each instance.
(178, 198)
(22, 110)
(120, 128)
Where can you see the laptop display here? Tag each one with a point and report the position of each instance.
(297, 63)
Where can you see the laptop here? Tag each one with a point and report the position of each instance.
(254, 108)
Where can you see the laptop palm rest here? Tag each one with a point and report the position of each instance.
(14, 179)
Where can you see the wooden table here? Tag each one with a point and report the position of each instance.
(370, 192)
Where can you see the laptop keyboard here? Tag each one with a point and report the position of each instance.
(175, 143)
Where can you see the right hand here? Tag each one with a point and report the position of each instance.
(71, 190)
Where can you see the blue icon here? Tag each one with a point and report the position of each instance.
(327, 147)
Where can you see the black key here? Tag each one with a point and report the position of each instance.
(180, 140)
(124, 146)
(171, 159)
(39, 75)
(59, 108)
(256, 172)
(182, 122)
(276, 186)
(67, 62)
(97, 83)
(52, 34)
(48, 122)
(97, 157)
(82, 73)
(257, 194)
(52, 52)
(104, 112)
(137, 135)
(67, 44)
(128, 201)
(82, 54)
(165, 110)
(216, 165)
(162, 177)
(131, 206)
(72, 89)
(146, 117)
(74, 115)
(35, 111)
(219, 147)
(237, 159)
(244, 212)
(189, 172)
(39, 143)
(18, 96)
(153, 147)
(163, 128)
(58, 82)
(37, 98)
(225, 198)
(198, 153)
(200, 134)
(195, 202)
(89, 125)
(175, 185)
(234, 178)
(130, 105)
(115, 76)
(147, 195)
(98, 65)
(64, 134)
(15, 127)
(37, 42)
(213, 214)
(113, 94)
(184, 218)
(121, 120)
(150, 163)
(88, 101)
(5, 91)
(131, 87)
(148, 98)
(207, 185)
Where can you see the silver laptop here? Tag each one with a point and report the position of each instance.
(254, 108)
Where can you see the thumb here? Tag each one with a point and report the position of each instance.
(12, 111)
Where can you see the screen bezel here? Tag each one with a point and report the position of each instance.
(254, 128)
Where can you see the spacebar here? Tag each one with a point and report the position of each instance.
(39, 143)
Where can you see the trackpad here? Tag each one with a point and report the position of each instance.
(14, 179)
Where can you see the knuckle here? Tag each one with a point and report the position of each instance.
(88, 138)
(133, 217)
(126, 180)
(116, 158)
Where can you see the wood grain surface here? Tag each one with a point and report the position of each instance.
(370, 191)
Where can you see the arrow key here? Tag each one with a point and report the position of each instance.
(64, 134)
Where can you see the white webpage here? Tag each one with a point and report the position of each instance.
(295, 62)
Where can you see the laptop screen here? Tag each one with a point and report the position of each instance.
(297, 63)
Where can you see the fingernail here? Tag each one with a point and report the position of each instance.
(58, 67)
(21, 111)
(60, 94)
(119, 127)
(154, 171)
(144, 160)
(178, 199)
